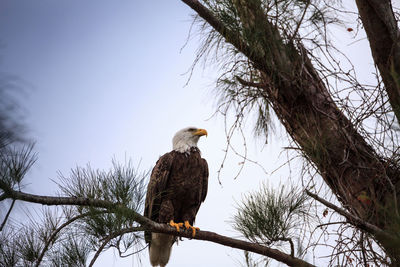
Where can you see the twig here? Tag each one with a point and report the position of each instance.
(7, 215)
(299, 23)
(54, 234)
(354, 220)
(112, 236)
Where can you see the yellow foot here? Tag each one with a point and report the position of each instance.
(187, 225)
(176, 225)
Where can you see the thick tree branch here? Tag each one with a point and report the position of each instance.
(287, 240)
(303, 103)
(159, 228)
(226, 241)
(231, 37)
(383, 34)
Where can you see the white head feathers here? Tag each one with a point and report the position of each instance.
(187, 138)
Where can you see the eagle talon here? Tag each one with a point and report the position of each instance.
(187, 225)
(176, 225)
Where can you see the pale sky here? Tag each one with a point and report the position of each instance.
(106, 79)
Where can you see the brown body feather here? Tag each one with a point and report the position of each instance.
(177, 187)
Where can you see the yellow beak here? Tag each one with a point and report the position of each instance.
(201, 132)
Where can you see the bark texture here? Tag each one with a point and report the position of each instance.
(346, 162)
(384, 38)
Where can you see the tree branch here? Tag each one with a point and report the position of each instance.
(230, 36)
(54, 234)
(287, 240)
(304, 105)
(251, 84)
(352, 219)
(300, 22)
(112, 236)
(7, 215)
(157, 227)
(98, 252)
(383, 34)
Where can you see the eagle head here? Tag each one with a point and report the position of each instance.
(186, 138)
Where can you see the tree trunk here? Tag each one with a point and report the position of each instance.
(384, 39)
(304, 106)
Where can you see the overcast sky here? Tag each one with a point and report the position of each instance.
(106, 79)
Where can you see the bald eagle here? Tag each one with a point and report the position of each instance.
(177, 187)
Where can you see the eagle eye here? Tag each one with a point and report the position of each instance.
(192, 129)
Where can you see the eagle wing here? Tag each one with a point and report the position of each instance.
(205, 180)
(157, 185)
(203, 190)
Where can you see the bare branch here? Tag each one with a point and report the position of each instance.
(98, 252)
(112, 236)
(300, 22)
(7, 215)
(354, 220)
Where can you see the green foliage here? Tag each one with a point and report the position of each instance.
(65, 237)
(121, 184)
(269, 216)
(74, 251)
(8, 255)
(273, 31)
(15, 161)
(244, 99)
(29, 246)
(254, 23)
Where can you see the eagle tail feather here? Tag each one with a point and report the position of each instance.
(160, 249)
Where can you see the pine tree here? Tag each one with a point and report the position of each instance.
(277, 59)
